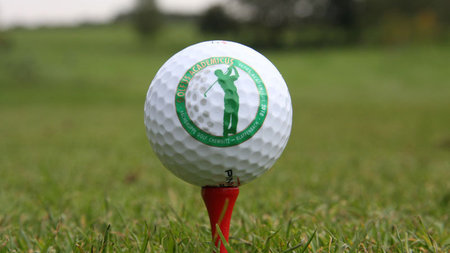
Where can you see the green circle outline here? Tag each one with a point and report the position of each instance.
(199, 134)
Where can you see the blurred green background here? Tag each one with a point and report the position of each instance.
(367, 167)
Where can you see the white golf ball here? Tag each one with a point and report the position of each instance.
(218, 113)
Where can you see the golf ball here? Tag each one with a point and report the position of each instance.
(218, 113)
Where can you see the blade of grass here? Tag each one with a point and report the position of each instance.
(300, 244)
(146, 239)
(104, 247)
(222, 238)
(267, 243)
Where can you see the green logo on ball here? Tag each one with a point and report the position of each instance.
(226, 79)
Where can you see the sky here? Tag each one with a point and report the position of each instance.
(66, 12)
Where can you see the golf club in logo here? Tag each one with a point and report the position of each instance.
(225, 76)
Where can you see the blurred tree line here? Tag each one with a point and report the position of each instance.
(304, 23)
(4, 41)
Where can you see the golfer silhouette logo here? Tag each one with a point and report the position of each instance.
(231, 99)
(198, 101)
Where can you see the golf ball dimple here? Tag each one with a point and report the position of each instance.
(218, 113)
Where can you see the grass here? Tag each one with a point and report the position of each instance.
(367, 167)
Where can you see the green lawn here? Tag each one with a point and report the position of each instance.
(367, 167)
